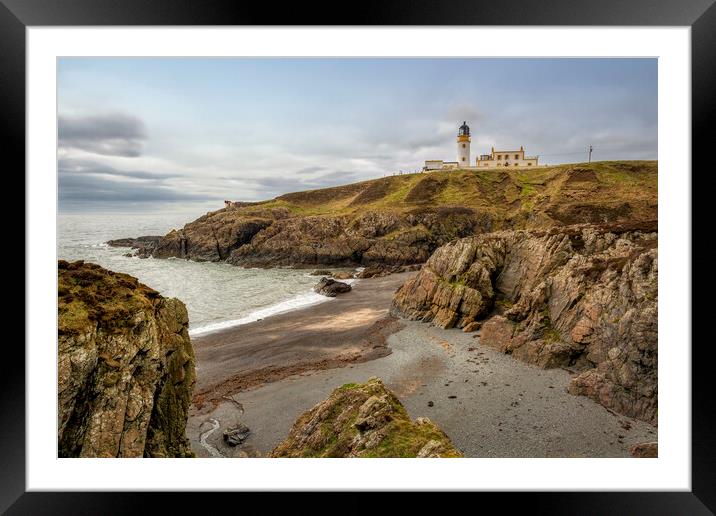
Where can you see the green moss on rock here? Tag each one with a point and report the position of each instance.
(364, 420)
(125, 366)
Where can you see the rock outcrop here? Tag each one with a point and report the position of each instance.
(331, 288)
(580, 296)
(213, 237)
(401, 220)
(144, 246)
(125, 367)
(365, 420)
(373, 237)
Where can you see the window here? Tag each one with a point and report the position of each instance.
(517, 164)
(499, 156)
(517, 156)
(529, 164)
(463, 158)
(463, 145)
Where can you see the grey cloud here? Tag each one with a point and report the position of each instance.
(114, 134)
(74, 166)
(89, 182)
(464, 111)
(310, 170)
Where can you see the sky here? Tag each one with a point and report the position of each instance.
(151, 131)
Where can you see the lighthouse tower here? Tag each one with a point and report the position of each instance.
(463, 146)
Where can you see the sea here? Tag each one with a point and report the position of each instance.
(217, 295)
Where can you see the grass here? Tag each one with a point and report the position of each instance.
(89, 295)
(483, 189)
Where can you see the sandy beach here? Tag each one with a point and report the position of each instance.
(346, 329)
(265, 374)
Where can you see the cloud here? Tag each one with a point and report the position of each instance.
(81, 166)
(113, 134)
(84, 181)
(310, 170)
(273, 186)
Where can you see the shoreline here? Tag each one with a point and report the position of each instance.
(292, 304)
(351, 328)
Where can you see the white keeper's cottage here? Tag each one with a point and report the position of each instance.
(505, 158)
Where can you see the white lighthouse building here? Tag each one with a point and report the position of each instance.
(463, 146)
(513, 158)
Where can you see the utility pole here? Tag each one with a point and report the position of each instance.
(590, 154)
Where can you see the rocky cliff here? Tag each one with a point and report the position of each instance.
(402, 219)
(580, 296)
(125, 367)
(363, 421)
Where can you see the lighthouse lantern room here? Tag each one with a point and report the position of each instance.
(463, 145)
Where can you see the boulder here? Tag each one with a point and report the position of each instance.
(321, 272)
(363, 420)
(472, 326)
(374, 271)
(236, 435)
(331, 288)
(125, 367)
(342, 275)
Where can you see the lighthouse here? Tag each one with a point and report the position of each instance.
(463, 146)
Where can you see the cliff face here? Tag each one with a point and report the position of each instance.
(580, 296)
(363, 421)
(373, 237)
(125, 367)
(400, 220)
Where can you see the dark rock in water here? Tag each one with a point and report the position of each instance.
(145, 245)
(128, 255)
(125, 366)
(236, 435)
(430, 404)
(321, 272)
(135, 243)
(331, 288)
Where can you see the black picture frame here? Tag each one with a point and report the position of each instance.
(700, 15)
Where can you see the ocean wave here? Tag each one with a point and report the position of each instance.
(289, 305)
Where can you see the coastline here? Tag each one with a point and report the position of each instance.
(297, 302)
(349, 329)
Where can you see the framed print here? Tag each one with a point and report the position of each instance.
(427, 237)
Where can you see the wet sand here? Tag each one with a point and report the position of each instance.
(347, 329)
(490, 404)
